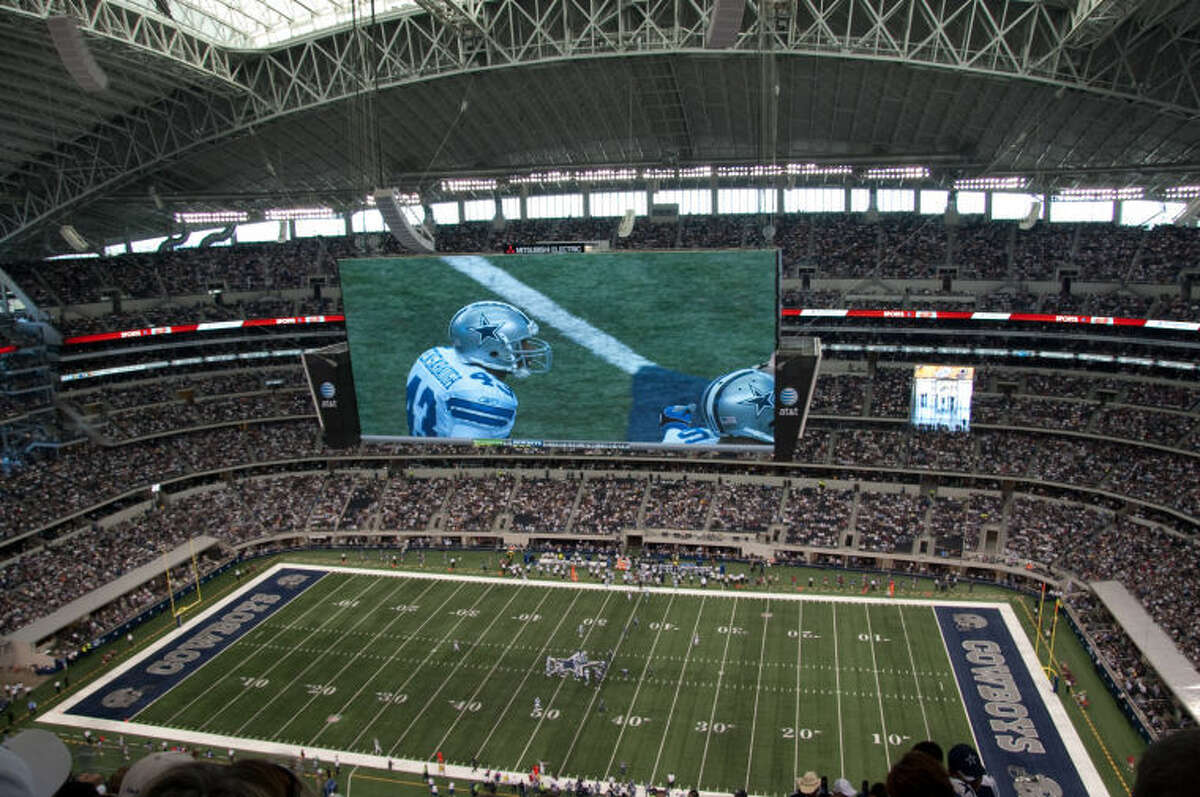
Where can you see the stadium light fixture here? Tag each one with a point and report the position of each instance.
(1099, 194)
(818, 170)
(1011, 183)
(290, 214)
(896, 173)
(459, 185)
(759, 170)
(211, 216)
(606, 175)
(1177, 192)
(554, 176)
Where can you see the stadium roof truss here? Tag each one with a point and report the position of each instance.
(191, 76)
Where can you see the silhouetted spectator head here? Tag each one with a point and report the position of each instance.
(247, 778)
(1170, 767)
(932, 749)
(918, 775)
(963, 762)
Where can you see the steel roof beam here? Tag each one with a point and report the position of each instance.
(995, 38)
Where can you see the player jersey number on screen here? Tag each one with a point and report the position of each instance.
(447, 397)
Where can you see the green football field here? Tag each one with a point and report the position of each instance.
(723, 690)
(692, 315)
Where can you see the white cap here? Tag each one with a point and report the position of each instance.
(147, 769)
(844, 787)
(34, 763)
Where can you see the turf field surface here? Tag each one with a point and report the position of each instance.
(720, 688)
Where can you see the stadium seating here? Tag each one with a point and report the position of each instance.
(1103, 463)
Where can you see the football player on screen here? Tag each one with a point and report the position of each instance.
(459, 390)
(736, 407)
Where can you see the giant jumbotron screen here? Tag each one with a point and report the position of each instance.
(641, 348)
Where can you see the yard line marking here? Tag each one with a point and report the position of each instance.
(279, 693)
(562, 682)
(916, 680)
(228, 648)
(758, 688)
(529, 670)
(361, 651)
(837, 688)
(483, 680)
(716, 694)
(799, 666)
(417, 669)
(637, 690)
(455, 669)
(887, 754)
(428, 619)
(545, 310)
(679, 682)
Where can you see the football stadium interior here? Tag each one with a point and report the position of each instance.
(808, 379)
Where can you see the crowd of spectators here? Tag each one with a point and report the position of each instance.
(475, 504)
(893, 245)
(182, 272)
(543, 504)
(144, 392)
(1124, 661)
(409, 503)
(889, 522)
(681, 504)
(60, 482)
(818, 516)
(608, 504)
(177, 415)
(74, 322)
(745, 507)
(1156, 565)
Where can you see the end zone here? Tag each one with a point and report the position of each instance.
(1021, 729)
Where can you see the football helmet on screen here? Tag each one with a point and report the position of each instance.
(740, 404)
(498, 336)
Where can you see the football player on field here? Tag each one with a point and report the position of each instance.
(736, 407)
(459, 390)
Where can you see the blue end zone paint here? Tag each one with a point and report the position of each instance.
(1017, 739)
(154, 675)
(654, 388)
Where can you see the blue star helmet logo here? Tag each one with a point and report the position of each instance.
(761, 401)
(486, 330)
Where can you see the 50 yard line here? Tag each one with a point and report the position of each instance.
(542, 652)
(483, 682)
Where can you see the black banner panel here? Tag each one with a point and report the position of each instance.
(332, 385)
(796, 368)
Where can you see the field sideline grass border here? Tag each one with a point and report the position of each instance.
(58, 716)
